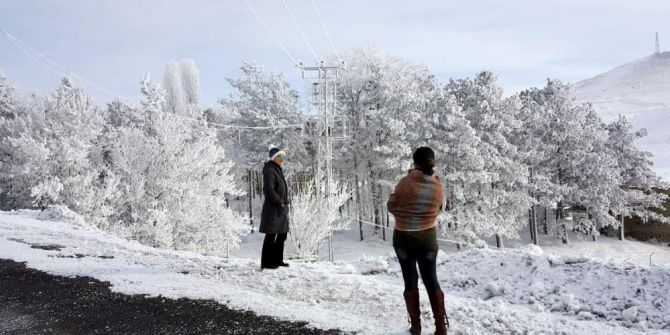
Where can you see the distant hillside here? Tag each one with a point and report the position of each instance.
(639, 90)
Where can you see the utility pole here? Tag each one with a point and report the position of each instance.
(323, 128)
(658, 47)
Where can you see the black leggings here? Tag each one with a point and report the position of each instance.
(427, 266)
(273, 250)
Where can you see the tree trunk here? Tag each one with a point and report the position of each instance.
(530, 226)
(499, 241)
(546, 226)
(250, 195)
(458, 245)
(387, 217)
(537, 238)
(533, 221)
(375, 205)
(358, 196)
(383, 219)
(560, 217)
(594, 230)
(621, 230)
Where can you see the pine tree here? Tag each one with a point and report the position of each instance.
(573, 166)
(503, 195)
(385, 100)
(638, 180)
(265, 99)
(462, 167)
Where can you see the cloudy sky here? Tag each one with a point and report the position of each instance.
(112, 43)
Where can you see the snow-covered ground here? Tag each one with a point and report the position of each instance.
(639, 91)
(513, 291)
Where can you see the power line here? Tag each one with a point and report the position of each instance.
(27, 48)
(281, 45)
(302, 33)
(323, 25)
(30, 52)
(27, 52)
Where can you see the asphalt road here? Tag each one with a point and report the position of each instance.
(34, 302)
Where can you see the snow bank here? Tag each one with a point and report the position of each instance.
(625, 294)
(60, 213)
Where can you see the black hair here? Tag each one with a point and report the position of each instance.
(424, 159)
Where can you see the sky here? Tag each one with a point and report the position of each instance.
(113, 43)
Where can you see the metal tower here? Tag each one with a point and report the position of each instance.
(326, 127)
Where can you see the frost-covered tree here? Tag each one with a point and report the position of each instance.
(175, 100)
(10, 129)
(503, 198)
(190, 76)
(48, 155)
(20, 155)
(461, 166)
(313, 219)
(572, 163)
(66, 132)
(174, 180)
(264, 99)
(384, 99)
(638, 180)
(9, 103)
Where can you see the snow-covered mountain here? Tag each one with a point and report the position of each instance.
(640, 91)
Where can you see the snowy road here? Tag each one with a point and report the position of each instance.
(488, 292)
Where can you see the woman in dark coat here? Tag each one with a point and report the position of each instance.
(274, 216)
(415, 203)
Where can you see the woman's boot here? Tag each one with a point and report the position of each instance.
(439, 312)
(412, 303)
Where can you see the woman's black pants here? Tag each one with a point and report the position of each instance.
(273, 250)
(413, 251)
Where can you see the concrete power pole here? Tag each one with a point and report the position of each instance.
(658, 47)
(325, 128)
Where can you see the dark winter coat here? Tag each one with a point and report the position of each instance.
(274, 216)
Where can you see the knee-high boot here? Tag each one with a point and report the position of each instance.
(439, 311)
(412, 303)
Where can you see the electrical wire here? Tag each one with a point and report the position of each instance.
(323, 24)
(281, 45)
(302, 33)
(31, 52)
(63, 70)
